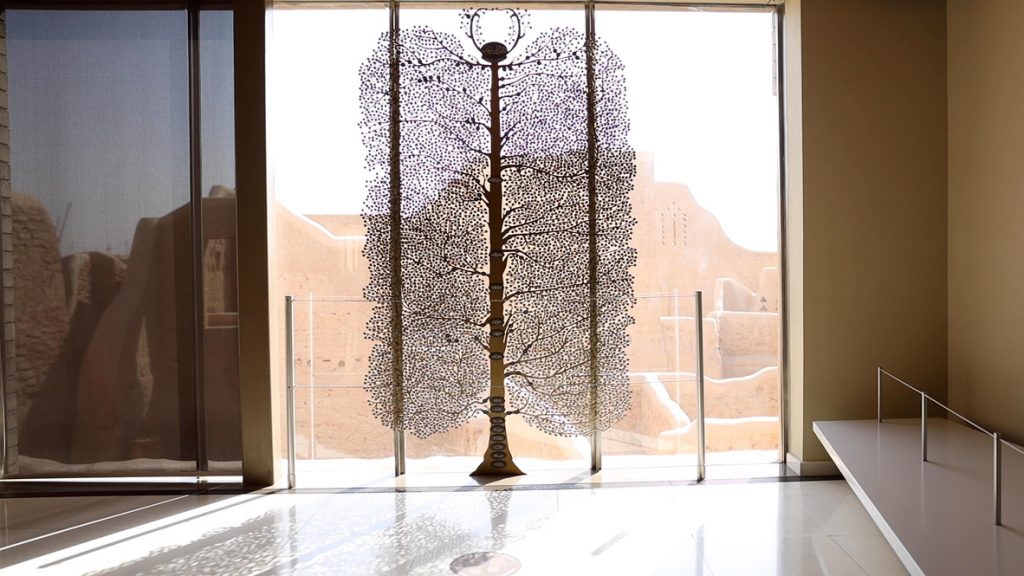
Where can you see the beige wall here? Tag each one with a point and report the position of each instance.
(986, 212)
(867, 206)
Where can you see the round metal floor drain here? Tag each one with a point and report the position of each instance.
(485, 564)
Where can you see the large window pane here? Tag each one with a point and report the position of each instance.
(320, 184)
(102, 259)
(704, 122)
(222, 425)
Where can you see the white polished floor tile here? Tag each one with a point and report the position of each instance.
(816, 555)
(873, 554)
(755, 510)
(834, 507)
(64, 511)
(748, 529)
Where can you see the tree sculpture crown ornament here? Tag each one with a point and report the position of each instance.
(498, 227)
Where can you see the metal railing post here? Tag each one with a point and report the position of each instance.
(677, 321)
(997, 485)
(289, 352)
(879, 375)
(399, 452)
(699, 315)
(312, 382)
(924, 428)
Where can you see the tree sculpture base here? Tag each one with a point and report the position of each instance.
(498, 458)
(487, 468)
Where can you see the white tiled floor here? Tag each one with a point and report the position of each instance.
(720, 529)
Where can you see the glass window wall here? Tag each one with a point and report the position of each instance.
(106, 334)
(703, 112)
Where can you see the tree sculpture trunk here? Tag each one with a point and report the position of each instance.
(498, 458)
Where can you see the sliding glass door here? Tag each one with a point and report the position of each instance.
(120, 291)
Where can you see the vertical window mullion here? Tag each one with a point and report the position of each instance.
(396, 235)
(592, 255)
(196, 226)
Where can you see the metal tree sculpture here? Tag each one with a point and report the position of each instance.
(498, 227)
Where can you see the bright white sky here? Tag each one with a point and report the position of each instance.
(700, 89)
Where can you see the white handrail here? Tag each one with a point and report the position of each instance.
(997, 440)
(926, 395)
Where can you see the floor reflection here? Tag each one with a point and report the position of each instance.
(790, 528)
